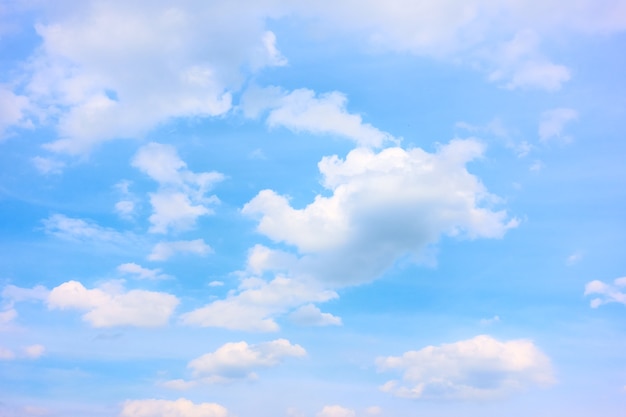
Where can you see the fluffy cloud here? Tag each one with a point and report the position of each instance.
(552, 124)
(111, 305)
(302, 111)
(241, 360)
(164, 250)
(310, 315)
(336, 411)
(179, 408)
(140, 272)
(27, 352)
(482, 367)
(256, 302)
(89, 76)
(382, 206)
(607, 293)
(181, 197)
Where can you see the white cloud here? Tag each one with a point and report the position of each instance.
(7, 316)
(80, 230)
(336, 411)
(127, 205)
(90, 72)
(373, 410)
(111, 305)
(140, 272)
(310, 315)
(607, 293)
(519, 64)
(164, 250)
(302, 111)
(19, 294)
(490, 321)
(478, 368)
(383, 206)
(574, 258)
(6, 354)
(181, 197)
(13, 109)
(552, 124)
(28, 352)
(48, 166)
(179, 408)
(216, 284)
(256, 303)
(34, 351)
(240, 360)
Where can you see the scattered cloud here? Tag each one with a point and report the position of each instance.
(127, 205)
(27, 352)
(478, 368)
(553, 122)
(13, 109)
(373, 410)
(6, 354)
(181, 197)
(607, 293)
(178, 408)
(303, 111)
(536, 166)
(490, 321)
(310, 315)
(336, 411)
(216, 284)
(139, 272)
(111, 305)
(164, 250)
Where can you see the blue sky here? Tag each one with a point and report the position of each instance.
(312, 209)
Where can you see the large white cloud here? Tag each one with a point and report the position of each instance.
(606, 293)
(109, 69)
(111, 305)
(181, 197)
(381, 206)
(478, 368)
(178, 408)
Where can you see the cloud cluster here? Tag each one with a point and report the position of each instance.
(181, 197)
(111, 305)
(478, 368)
(607, 293)
(178, 408)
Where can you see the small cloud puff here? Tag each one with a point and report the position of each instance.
(179, 408)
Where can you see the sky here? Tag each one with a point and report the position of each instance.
(312, 209)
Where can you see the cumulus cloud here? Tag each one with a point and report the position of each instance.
(179, 408)
(382, 206)
(164, 250)
(303, 111)
(239, 360)
(336, 411)
(310, 315)
(181, 197)
(111, 305)
(478, 368)
(256, 303)
(139, 272)
(607, 293)
(553, 122)
(88, 78)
